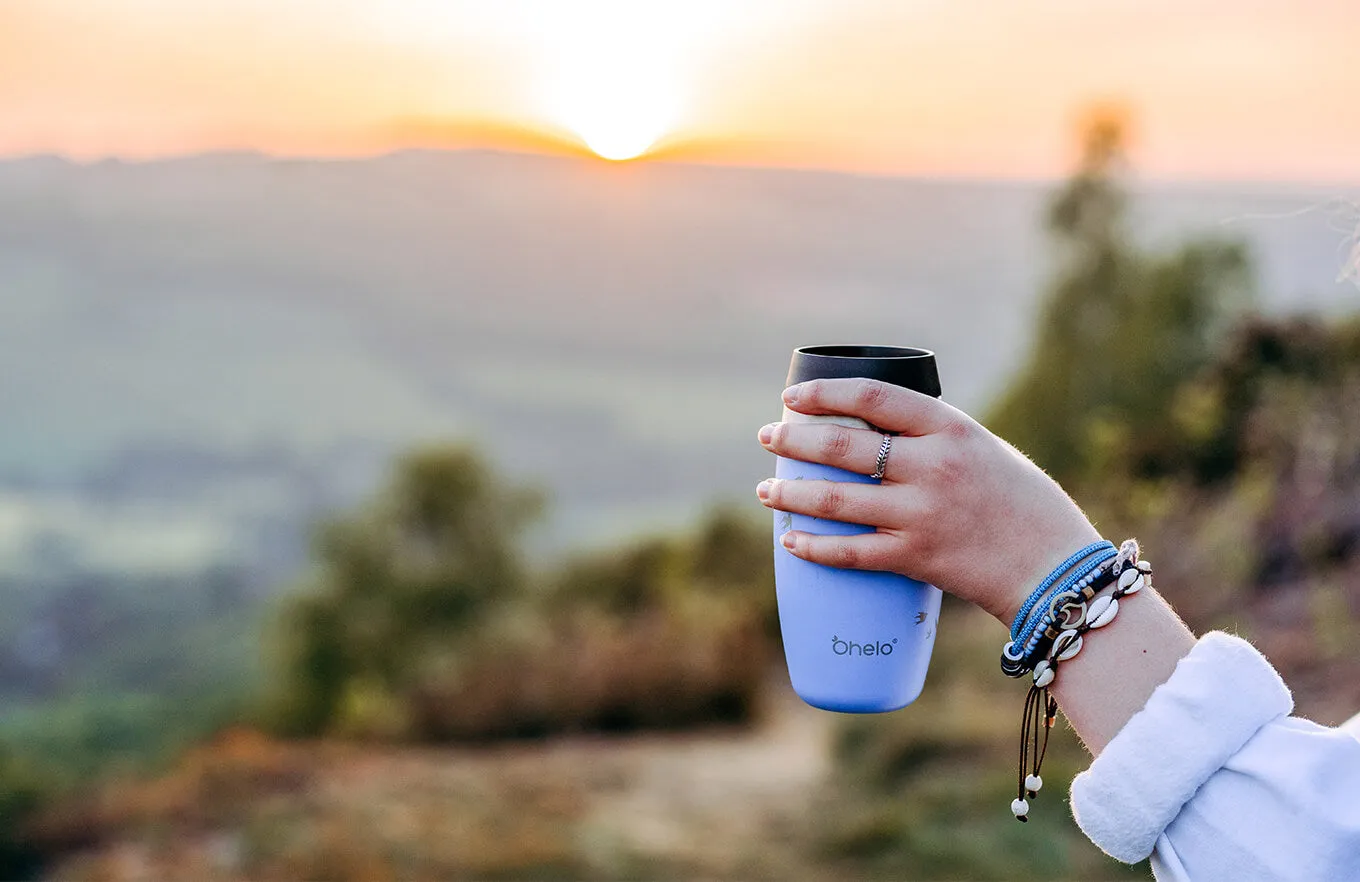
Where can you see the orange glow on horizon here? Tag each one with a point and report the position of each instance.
(993, 88)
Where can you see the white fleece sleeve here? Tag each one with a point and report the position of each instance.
(1215, 781)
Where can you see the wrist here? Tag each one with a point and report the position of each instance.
(1078, 606)
(1043, 558)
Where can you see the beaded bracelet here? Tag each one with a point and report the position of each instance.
(1081, 578)
(1074, 614)
(1062, 606)
(1058, 572)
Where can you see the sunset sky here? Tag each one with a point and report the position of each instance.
(1227, 89)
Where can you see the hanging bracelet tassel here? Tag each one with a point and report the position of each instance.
(1040, 712)
(1072, 614)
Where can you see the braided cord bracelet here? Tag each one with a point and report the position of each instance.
(1076, 581)
(1072, 614)
(1069, 580)
(1058, 572)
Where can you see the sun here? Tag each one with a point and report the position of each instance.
(616, 136)
(616, 73)
(618, 118)
(623, 76)
(620, 145)
(617, 99)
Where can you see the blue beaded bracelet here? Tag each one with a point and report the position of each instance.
(1077, 579)
(1058, 572)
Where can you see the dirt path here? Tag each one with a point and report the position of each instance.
(713, 804)
(732, 804)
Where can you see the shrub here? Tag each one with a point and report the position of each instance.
(422, 623)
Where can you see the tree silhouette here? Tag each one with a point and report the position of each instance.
(410, 572)
(1120, 327)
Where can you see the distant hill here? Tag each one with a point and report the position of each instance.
(198, 355)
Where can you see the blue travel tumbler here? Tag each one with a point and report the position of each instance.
(855, 641)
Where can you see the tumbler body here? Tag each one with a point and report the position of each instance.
(855, 641)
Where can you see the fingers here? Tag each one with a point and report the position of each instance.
(891, 408)
(866, 551)
(855, 450)
(833, 500)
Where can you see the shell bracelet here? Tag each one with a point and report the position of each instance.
(1073, 607)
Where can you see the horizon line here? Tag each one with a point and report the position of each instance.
(665, 155)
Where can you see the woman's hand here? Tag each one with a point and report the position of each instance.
(958, 507)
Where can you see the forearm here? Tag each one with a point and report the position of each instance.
(1120, 666)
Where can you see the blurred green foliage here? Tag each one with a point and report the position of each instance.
(1120, 327)
(402, 578)
(140, 668)
(122, 672)
(1257, 500)
(423, 621)
(23, 788)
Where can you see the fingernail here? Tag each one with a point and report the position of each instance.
(787, 540)
(763, 489)
(767, 433)
(791, 394)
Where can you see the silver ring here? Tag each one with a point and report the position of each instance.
(883, 452)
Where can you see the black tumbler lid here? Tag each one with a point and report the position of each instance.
(899, 365)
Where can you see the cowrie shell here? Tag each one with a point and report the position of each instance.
(1067, 645)
(1106, 615)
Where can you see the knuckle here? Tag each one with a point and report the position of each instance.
(837, 443)
(951, 464)
(830, 499)
(811, 392)
(779, 435)
(869, 395)
(845, 554)
(958, 430)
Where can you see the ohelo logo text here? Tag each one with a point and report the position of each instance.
(850, 647)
